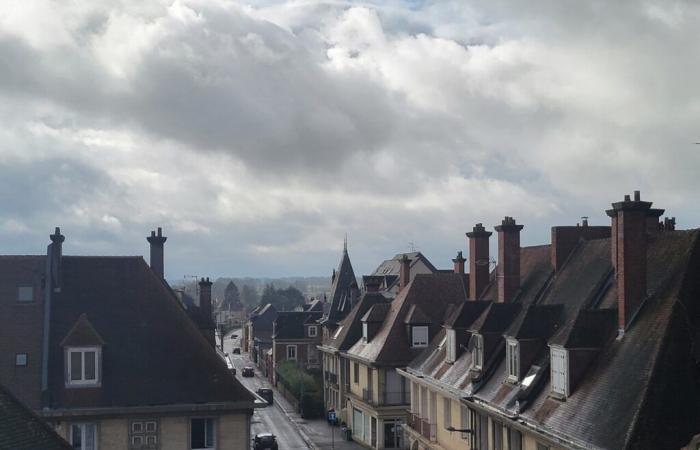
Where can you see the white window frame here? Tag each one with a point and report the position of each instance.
(421, 342)
(314, 329)
(559, 374)
(451, 345)
(214, 428)
(513, 359)
(83, 427)
(365, 331)
(82, 381)
(478, 351)
(21, 359)
(290, 347)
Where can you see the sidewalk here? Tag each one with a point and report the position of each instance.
(316, 432)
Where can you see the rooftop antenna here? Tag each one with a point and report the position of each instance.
(412, 246)
(345, 243)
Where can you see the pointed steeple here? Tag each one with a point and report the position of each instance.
(344, 288)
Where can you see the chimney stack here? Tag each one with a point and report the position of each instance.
(207, 324)
(478, 260)
(459, 263)
(55, 258)
(630, 218)
(372, 282)
(653, 224)
(157, 241)
(508, 268)
(405, 274)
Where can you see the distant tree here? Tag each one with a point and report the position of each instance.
(232, 298)
(282, 299)
(249, 296)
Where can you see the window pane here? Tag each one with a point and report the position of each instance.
(76, 366)
(210, 432)
(90, 365)
(76, 437)
(89, 436)
(197, 438)
(25, 294)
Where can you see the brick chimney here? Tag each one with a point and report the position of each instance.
(631, 224)
(653, 225)
(207, 325)
(55, 259)
(405, 274)
(459, 263)
(508, 268)
(478, 260)
(157, 241)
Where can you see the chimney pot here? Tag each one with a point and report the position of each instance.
(157, 257)
(207, 325)
(478, 260)
(405, 273)
(636, 196)
(459, 263)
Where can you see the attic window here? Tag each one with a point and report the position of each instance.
(478, 351)
(419, 336)
(451, 345)
(560, 376)
(513, 359)
(313, 331)
(83, 366)
(25, 293)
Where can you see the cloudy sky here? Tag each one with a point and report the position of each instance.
(258, 133)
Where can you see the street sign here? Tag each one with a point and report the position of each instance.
(331, 416)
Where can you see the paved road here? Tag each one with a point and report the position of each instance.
(265, 420)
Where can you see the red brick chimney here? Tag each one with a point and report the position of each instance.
(478, 260)
(405, 274)
(508, 268)
(653, 225)
(207, 325)
(631, 224)
(459, 263)
(157, 241)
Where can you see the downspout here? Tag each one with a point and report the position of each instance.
(48, 290)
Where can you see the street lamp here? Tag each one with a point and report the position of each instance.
(461, 430)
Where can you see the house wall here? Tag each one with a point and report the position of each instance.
(232, 432)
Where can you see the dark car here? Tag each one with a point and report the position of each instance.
(248, 371)
(266, 394)
(237, 351)
(262, 441)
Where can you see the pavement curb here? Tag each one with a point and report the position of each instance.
(305, 437)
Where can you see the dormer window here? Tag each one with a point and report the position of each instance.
(313, 331)
(478, 351)
(451, 345)
(560, 373)
(513, 359)
(419, 336)
(83, 366)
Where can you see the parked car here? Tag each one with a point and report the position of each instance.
(234, 336)
(262, 441)
(266, 394)
(237, 351)
(248, 371)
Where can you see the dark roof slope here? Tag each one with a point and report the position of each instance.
(343, 290)
(350, 329)
(535, 270)
(290, 324)
(153, 353)
(21, 429)
(432, 293)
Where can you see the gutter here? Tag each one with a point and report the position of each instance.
(48, 289)
(161, 409)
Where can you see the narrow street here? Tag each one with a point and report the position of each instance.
(271, 419)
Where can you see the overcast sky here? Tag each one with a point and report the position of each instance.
(258, 133)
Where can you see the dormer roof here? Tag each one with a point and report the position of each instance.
(83, 334)
(376, 313)
(496, 318)
(416, 316)
(536, 322)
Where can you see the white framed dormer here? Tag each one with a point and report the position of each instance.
(559, 369)
(513, 360)
(313, 331)
(83, 366)
(477, 351)
(419, 336)
(451, 345)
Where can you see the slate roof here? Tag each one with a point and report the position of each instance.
(290, 324)
(390, 269)
(153, 354)
(432, 293)
(376, 313)
(344, 290)
(349, 330)
(646, 383)
(21, 429)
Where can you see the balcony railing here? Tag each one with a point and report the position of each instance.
(423, 426)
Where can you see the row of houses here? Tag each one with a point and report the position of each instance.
(587, 342)
(108, 356)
